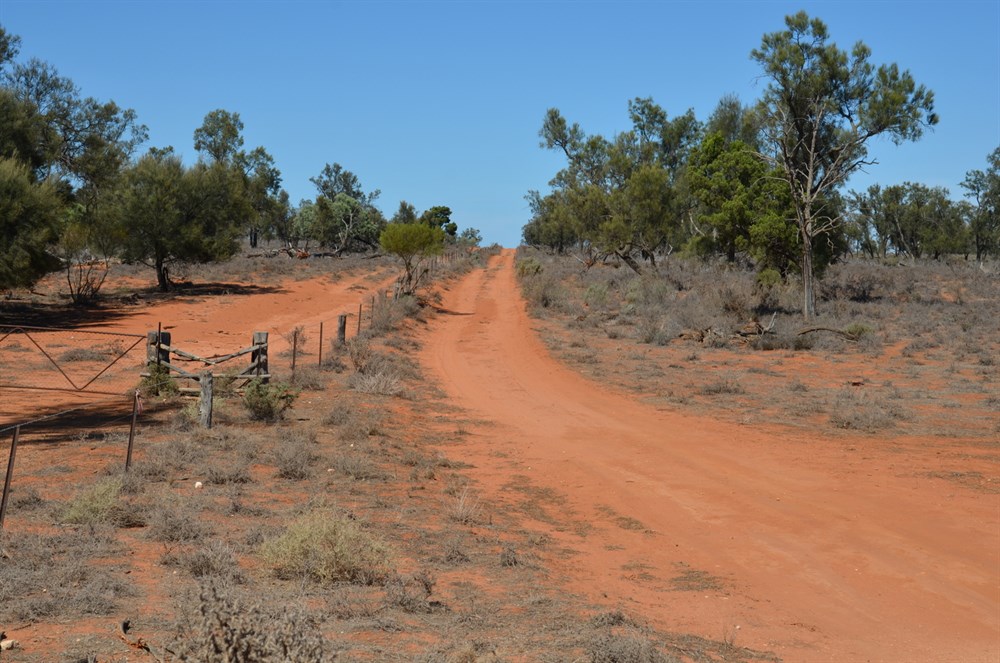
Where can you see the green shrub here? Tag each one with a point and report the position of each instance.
(268, 402)
(102, 503)
(528, 267)
(159, 382)
(326, 547)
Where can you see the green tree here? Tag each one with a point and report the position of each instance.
(439, 216)
(220, 136)
(984, 188)
(820, 110)
(616, 197)
(406, 213)
(412, 243)
(171, 213)
(345, 224)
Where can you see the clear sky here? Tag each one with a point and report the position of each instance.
(439, 103)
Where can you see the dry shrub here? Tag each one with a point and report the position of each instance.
(383, 383)
(857, 409)
(50, 576)
(174, 520)
(466, 508)
(628, 648)
(222, 629)
(294, 455)
(326, 547)
(215, 559)
(412, 593)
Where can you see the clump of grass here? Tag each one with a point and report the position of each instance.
(294, 457)
(215, 559)
(412, 594)
(726, 384)
(856, 409)
(627, 648)
(83, 354)
(173, 521)
(102, 503)
(309, 378)
(326, 547)
(226, 472)
(383, 383)
(357, 467)
(466, 508)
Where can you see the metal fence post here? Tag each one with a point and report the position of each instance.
(10, 475)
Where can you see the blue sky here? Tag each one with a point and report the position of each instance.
(439, 103)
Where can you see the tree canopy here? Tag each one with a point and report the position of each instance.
(820, 110)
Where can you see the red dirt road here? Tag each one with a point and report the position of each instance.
(782, 543)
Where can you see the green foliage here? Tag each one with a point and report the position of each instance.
(268, 402)
(528, 267)
(439, 216)
(159, 382)
(344, 217)
(820, 110)
(910, 219)
(175, 213)
(220, 136)
(102, 504)
(615, 197)
(29, 212)
(412, 243)
(326, 547)
(984, 188)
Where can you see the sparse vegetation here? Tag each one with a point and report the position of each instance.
(326, 547)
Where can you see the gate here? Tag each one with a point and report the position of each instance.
(42, 368)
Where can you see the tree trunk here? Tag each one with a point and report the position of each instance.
(808, 282)
(162, 276)
(627, 258)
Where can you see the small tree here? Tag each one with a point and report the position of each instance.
(412, 243)
(820, 110)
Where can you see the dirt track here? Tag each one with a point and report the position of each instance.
(725, 531)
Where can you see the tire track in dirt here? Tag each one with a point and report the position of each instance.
(701, 526)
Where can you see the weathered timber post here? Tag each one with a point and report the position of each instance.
(157, 347)
(258, 358)
(9, 476)
(205, 381)
(342, 329)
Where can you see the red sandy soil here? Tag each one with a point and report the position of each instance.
(812, 553)
(791, 543)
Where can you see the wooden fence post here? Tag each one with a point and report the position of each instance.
(156, 353)
(205, 381)
(258, 358)
(342, 329)
(10, 475)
